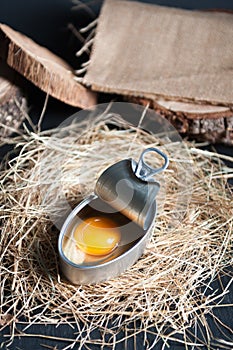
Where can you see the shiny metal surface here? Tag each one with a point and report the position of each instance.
(144, 171)
(133, 244)
(120, 188)
(129, 187)
(124, 193)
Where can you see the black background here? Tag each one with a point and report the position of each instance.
(46, 21)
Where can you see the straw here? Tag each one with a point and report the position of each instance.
(169, 287)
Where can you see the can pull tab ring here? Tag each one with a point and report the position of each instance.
(144, 171)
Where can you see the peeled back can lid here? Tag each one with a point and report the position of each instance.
(129, 188)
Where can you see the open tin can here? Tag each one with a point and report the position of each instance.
(108, 231)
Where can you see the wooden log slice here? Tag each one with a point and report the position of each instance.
(13, 104)
(43, 68)
(197, 121)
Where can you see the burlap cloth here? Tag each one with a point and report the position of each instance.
(152, 51)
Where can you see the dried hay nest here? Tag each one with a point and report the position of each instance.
(165, 288)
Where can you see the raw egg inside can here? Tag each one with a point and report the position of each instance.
(84, 260)
(97, 235)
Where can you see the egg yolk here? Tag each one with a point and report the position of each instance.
(97, 236)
